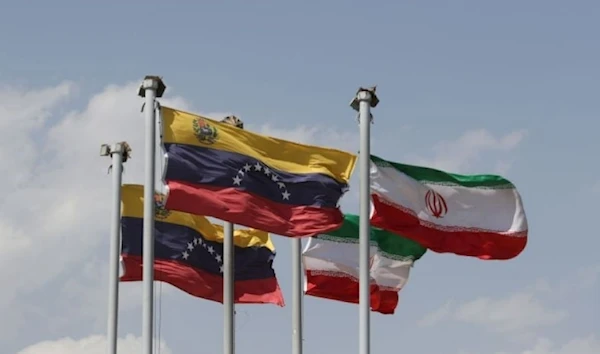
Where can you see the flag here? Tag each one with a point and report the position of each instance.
(469, 215)
(189, 253)
(331, 264)
(278, 186)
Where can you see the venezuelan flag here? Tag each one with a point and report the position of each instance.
(282, 187)
(189, 253)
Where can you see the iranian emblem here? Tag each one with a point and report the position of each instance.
(205, 133)
(436, 204)
(160, 212)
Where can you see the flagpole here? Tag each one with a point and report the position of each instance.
(151, 88)
(297, 293)
(362, 102)
(228, 290)
(119, 154)
(229, 271)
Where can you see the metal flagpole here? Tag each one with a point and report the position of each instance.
(229, 272)
(297, 293)
(151, 88)
(362, 102)
(228, 290)
(119, 153)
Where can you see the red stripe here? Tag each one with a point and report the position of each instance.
(250, 210)
(346, 289)
(203, 284)
(480, 244)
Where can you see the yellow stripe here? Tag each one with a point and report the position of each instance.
(132, 205)
(278, 154)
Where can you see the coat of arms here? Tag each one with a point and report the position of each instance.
(435, 204)
(160, 212)
(205, 133)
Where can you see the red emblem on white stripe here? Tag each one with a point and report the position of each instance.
(436, 204)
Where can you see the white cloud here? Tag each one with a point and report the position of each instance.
(460, 155)
(521, 313)
(314, 135)
(91, 345)
(437, 316)
(502, 167)
(25, 113)
(525, 317)
(518, 313)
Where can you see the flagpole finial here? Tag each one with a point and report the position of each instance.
(121, 148)
(152, 81)
(233, 120)
(365, 94)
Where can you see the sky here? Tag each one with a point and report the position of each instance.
(505, 87)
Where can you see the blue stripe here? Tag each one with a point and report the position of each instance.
(174, 242)
(200, 165)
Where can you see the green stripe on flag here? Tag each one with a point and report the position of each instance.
(392, 244)
(433, 176)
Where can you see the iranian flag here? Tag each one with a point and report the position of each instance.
(332, 266)
(469, 215)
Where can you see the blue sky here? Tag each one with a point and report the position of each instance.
(471, 86)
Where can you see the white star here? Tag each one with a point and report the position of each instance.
(274, 178)
(241, 172)
(237, 180)
(285, 195)
(218, 258)
(211, 250)
(247, 167)
(267, 171)
(281, 185)
(257, 167)
(199, 241)
(204, 245)
(190, 246)
(195, 241)
(185, 255)
(221, 269)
